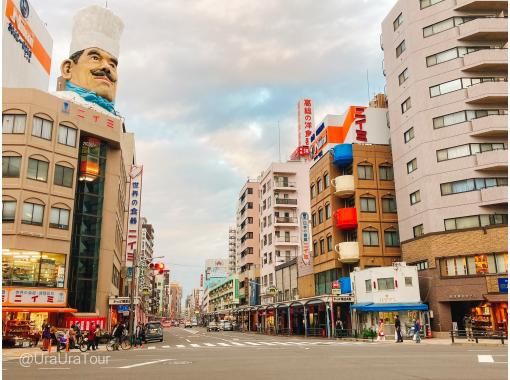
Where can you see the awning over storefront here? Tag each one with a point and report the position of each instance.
(389, 306)
(39, 309)
(496, 297)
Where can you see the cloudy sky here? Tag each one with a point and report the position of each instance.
(204, 83)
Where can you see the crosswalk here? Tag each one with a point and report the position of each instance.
(253, 344)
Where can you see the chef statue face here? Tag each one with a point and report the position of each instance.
(93, 69)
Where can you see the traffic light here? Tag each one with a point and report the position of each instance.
(152, 266)
(161, 268)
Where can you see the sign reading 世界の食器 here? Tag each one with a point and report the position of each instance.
(135, 202)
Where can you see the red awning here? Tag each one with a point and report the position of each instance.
(496, 297)
(39, 309)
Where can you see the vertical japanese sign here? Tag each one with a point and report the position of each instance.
(135, 202)
(305, 238)
(305, 122)
(359, 120)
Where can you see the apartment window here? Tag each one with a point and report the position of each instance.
(412, 165)
(8, 211)
(389, 204)
(32, 214)
(398, 21)
(250, 190)
(42, 128)
(321, 215)
(460, 83)
(474, 221)
(326, 180)
(463, 116)
(14, 123)
(315, 249)
(422, 265)
(386, 173)
(401, 48)
(312, 191)
(443, 25)
(329, 240)
(403, 76)
(66, 135)
(11, 166)
(406, 105)
(327, 209)
(418, 230)
(250, 205)
(367, 204)
(428, 3)
(370, 238)
(63, 176)
(37, 170)
(409, 135)
(270, 239)
(365, 172)
(453, 53)
(472, 184)
(59, 218)
(467, 150)
(408, 281)
(386, 283)
(481, 264)
(319, 186)
(322, 246)
(314, 219)
(391, 238)
(415, 197)
(368, 286)
(115, 276)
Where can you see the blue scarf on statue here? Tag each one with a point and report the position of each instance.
(92, 97)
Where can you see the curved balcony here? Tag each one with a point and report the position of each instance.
(348, 252)
(488, 93)
(486, 60)
(494, 196)
(490, 126)
(346, 218)
(494, 160)
(485, 29)
(480, 5)
(344, 186)
(342, 154)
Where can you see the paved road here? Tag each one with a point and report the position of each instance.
(196, 354)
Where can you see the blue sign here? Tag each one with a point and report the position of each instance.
(503, 284)
(345, 285)
(122, 307)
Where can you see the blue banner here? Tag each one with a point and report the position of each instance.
(503, 285)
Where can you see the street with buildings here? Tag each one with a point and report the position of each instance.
(388, 220)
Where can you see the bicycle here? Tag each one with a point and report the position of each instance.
(125, 344)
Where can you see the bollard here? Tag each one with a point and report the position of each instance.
(476, 339)
(453, 339)
(502, 338)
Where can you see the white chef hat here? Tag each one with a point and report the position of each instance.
(98, 27)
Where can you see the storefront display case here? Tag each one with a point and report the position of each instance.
(20, 333)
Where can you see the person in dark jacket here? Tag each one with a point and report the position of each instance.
(398, 330)
(417, 329)
(91, 337)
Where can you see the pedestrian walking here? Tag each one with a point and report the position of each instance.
(97, 336)
(339, 326)
(139, 335)
(468, 326)
(91, 337)
(398, 330)
(117, 333)
(46, 337)
(72, 337)
(380, 331)
(417, 330)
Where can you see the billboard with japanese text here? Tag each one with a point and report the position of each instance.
(135, 203)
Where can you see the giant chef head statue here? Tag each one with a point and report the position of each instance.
(91, 69)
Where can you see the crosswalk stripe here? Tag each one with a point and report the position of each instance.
(267, 343)
(224, 344)
(252, 344)
(165, 346)
(237, 344)
(284, 343)
(210, 344)
(180, 346)
(485, 359)
(151, 348)
(194, 345)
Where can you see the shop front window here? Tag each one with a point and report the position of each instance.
(474, 265)
(27, 268)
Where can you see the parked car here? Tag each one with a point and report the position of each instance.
(188, 324)
(153, 332)
(227, 326)
(212, 326)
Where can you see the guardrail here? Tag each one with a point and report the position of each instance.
(476, 335)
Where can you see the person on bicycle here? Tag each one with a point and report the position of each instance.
(118, 332)
(72, 336)
(78, 331)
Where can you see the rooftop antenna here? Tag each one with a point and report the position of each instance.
(279, 146)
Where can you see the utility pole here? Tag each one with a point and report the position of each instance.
(132, 294)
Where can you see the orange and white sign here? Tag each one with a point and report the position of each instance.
(22, 296)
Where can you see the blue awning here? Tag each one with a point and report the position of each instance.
(389, 306)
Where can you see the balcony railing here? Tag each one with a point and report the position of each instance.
(288, 239)
(284, 184)
(286, 201)
(285, 219)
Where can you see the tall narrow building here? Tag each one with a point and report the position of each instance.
(446, 68)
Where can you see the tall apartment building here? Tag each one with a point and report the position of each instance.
(247, 245)
(65, 176)
(283, 196)
(145, 274)
(232, 242)
(446, 68)
(175, 300)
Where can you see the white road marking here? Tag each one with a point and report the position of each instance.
(284, 343)
(187, 340)
(165, 346)
(209, 345)
(485, 359)
(252, 344)
(194, 345)
(224, 345)
(180, 346)
(151, 348)
(237, 344)
(267, 343)
(55, 368)
(146, 363)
